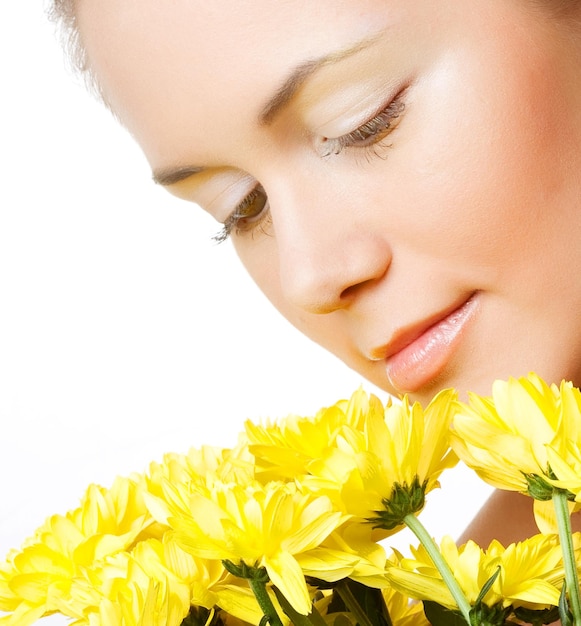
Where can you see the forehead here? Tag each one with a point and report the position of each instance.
(162, 63)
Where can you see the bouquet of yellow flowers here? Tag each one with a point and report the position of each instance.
(287, 527)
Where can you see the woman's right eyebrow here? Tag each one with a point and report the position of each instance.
(172, 175)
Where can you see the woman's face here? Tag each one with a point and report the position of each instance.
(402, 179)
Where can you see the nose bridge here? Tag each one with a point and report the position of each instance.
(327, 247)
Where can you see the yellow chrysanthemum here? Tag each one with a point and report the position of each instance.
(157, 584)
(198, 465)
(531, 572)
(121, 592)
(382, 469)
(526, 438)
(564, 451)
(194, 578)
(168, 485)
(505, 437)
(207, 583)
(266, 526)
(36, 580)
(285, 449)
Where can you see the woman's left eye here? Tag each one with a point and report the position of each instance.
(370, 133)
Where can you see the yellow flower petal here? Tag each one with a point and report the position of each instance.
(286, 574)
(531, 572)
(526, 428)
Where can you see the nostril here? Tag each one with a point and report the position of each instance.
(352, 290)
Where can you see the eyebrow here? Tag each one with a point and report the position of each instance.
(302, 72)
(172, 175)
(284, 94)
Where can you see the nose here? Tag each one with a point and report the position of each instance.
(329, 249)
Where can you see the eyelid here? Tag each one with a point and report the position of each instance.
(216, 190)
(220, 206)
(239, 220)
(373, 130)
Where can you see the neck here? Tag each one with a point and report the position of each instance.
(508, 517)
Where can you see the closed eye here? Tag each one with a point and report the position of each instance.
(371, 132)
(249, 213)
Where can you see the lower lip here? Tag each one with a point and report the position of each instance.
(424, 359)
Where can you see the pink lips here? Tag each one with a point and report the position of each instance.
(427, 351)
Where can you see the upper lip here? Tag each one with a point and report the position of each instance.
(405, 335)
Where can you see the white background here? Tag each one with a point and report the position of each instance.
(124, 331)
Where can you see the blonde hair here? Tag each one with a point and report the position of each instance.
(63, 14)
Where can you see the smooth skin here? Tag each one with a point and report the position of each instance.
(423, 162)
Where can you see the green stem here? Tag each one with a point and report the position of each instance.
(259, 589)
(314, 618)
(566, 538)
(350, 601)
(414, 524)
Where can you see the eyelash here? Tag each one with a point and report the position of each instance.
(239, 222)
(368, 136)
(371, 133)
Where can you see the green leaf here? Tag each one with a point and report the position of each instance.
(564, 612)
(483, 615)
(342, 620)
(537, 617)
(199, 616)
(486, 587)
(439, 615)
(372, 602)
(345, 588)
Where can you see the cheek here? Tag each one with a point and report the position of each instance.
(482, 180)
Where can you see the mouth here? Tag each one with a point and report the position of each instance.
(417, 355)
